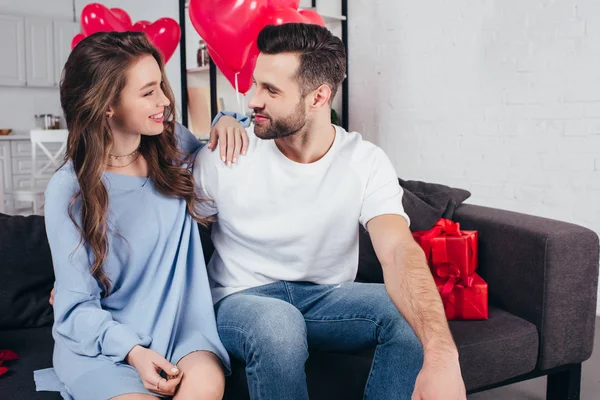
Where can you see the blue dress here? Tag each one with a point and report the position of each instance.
(160, 296)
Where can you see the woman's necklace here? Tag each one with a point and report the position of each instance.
(135, 154)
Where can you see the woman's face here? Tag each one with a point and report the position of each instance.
(141, 104)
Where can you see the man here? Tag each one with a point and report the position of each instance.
(286, 239)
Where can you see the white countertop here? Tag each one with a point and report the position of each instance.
(24, 135)
(15, 136)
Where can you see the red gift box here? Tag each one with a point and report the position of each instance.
(463, 302)
(450, 252)
(452, 257)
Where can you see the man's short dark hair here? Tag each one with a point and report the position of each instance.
(322, 55)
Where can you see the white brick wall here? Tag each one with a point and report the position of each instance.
(501, 98)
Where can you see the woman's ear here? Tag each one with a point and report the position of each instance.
(109, 112)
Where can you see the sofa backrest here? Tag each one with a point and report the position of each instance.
(26, 274)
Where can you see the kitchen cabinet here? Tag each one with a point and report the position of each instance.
(15, 157)
(35, 50)
(39, 50)
(12, 48)
(63, 35)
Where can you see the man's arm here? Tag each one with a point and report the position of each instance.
(410, 285)
(409, 282)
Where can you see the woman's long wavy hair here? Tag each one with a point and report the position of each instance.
(93, 78)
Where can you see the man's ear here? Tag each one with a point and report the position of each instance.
(321, 96)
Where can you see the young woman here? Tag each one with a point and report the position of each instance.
(133, 311)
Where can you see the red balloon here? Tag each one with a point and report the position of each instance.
(122, 16)
(244, 74)
(229, 27)
(76, 39)
(97, 18)
(164, 33)
(140, 26)
(279, 16)
(312, 17)
(284, 4)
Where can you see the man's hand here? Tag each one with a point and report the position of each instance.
(440, 378)
(51, 300)
(148, 363)
(232, 139)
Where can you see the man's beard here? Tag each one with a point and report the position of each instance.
(283, 127)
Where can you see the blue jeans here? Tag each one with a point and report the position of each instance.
(271, 328)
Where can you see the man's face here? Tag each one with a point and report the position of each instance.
(278, 102)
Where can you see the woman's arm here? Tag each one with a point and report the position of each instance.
(79, 319)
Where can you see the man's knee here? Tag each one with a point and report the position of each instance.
(279, 334)
(273, 329)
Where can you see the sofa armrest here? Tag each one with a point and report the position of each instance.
(544, 271)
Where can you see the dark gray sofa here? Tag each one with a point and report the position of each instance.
(542, 276)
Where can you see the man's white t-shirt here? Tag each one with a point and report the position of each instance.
(279, 220)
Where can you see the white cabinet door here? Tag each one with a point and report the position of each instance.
(12, 49)
(63, 35)
(39, 52)
(6, 163)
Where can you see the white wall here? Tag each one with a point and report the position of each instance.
(19, 105)
(501, 98)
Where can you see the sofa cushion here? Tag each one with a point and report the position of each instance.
(26, 274)
(497, 349)
(426, 202)
(35, 347)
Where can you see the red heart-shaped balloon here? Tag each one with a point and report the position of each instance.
(140, 26)
(312, 17)
(164, 33)
(97, 18)
(279, 16)
(284, 4)
(244, 75)
(122, 16)
(76, 39)
(275, 16)
(229, 27)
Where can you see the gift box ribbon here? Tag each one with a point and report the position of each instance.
(456, 301)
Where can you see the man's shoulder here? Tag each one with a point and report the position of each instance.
(356, 148)
(207, 157)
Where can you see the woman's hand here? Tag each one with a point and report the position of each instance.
(231, 137)
(148, 363)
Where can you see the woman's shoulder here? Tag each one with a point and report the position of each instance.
(63, 182)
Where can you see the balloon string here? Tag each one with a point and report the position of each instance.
(237, 92)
